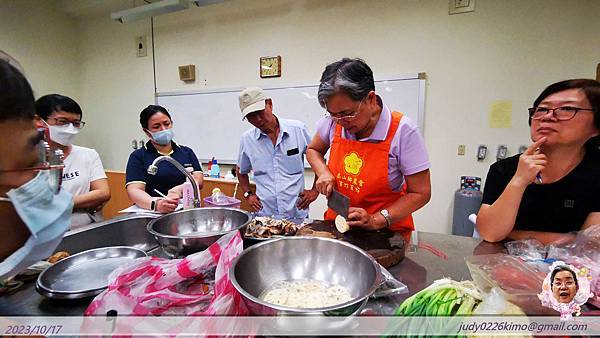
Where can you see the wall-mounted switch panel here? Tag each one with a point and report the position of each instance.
(502, 152)
(140, 46)
(481, 152)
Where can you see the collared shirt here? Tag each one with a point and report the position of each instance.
(168, 176)
(278, 169)
(407, 155)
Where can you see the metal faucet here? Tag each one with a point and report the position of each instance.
(153, 169)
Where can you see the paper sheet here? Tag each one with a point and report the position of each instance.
(500, 115)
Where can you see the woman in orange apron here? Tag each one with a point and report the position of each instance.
(377, 157)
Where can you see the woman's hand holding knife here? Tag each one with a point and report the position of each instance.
(325, 183)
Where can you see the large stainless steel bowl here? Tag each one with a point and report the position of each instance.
(86, 273)
(296, 258)
(188, 231)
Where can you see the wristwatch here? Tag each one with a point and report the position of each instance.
(248, 193)
(154, 204)
(386, 215)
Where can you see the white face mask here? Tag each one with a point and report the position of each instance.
(63, 135)
(46, 215)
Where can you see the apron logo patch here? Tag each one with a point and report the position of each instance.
(569, 203)
(353, 163)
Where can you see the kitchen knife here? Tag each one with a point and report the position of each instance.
(339, 203)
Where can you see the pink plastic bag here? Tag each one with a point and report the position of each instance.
(195, 285)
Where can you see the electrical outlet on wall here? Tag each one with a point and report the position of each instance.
(502, 152)
(461, 149)
(481, 152)
(140, 46)
(461, 6)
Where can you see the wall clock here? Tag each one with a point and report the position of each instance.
(270, 66)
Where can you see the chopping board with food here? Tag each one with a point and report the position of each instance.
(386, 246)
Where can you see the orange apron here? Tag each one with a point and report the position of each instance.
(361, 171)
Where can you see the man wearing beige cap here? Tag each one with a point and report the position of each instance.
(274, 150)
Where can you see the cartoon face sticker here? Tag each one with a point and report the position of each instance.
(565, 289)
(353, 163)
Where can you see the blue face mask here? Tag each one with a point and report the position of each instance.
(46, 215)
(163, 137)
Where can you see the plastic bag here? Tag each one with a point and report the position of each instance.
(528, 249)
(495, 303)
(520, 282)
(583, 252)
(195, 285)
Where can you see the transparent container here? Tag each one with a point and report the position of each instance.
(224, 202)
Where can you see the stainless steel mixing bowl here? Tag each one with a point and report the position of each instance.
(188, 231)
(297, 258)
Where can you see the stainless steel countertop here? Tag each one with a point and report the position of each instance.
(419, 269)
(416, 270)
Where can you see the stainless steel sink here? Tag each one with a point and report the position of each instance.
(123, 230)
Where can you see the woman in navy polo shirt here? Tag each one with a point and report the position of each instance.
(157, 125)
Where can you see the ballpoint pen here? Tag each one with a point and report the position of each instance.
(163, 195)
(538, 177)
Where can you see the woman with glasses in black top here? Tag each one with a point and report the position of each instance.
(553, 187)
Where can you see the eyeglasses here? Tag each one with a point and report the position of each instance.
(344, 117)
(561, 113)
(63, 122)
(48, 159)
(568, 283)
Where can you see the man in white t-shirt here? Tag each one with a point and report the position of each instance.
(83, 175)
(82, 167)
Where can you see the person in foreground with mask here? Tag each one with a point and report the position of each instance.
(141, 187)
(34, 211)
(83, 175)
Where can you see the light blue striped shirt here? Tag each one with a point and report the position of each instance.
(278, 169)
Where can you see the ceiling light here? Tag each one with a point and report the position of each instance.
(152, 9)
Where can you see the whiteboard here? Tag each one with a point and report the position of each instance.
(210, 122)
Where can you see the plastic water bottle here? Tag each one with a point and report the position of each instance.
(188, 192)
(215, 171)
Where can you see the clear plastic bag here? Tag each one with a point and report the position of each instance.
(528, 249)
(495, 303)
(519, 281)
(583, 252)
(195, 285)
